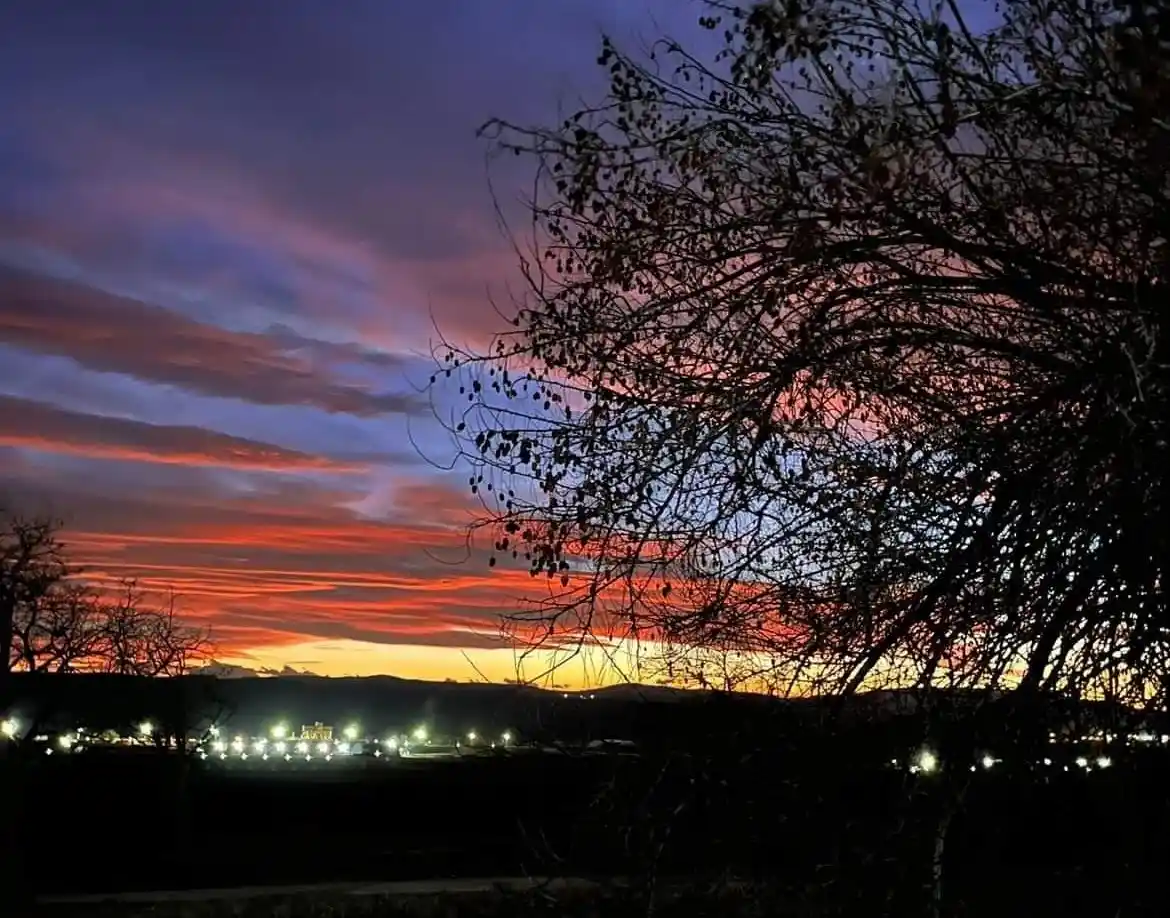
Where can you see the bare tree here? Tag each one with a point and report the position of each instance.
(844, 351)
(54, 621)
(842, 362)
(32, 566)
(138, 639)
(61, 631)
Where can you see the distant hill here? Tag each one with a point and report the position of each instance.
(234, 671)
(253, 703)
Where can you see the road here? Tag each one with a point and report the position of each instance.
(402, 888)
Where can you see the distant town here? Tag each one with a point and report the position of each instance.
(321, 742)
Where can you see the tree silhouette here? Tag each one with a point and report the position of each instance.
(843, 353)
(51, 620)
(32, 566)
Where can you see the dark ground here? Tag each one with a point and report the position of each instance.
(1071, 844)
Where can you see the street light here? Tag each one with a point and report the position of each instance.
(471, 736)
(507, 737)
(145, 728)
(280, 731)
(10, 727)
(927, 761)
(351, 732)
(420, 734)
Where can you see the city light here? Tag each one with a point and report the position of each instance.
(10, 727)
(314, 746)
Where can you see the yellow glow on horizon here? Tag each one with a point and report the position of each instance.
(590, 669)
(619, 662)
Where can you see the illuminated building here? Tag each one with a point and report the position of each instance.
(317, 733)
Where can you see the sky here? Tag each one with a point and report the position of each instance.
(228, 233)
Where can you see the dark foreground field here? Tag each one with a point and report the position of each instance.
(1068, 844)
(121, 823)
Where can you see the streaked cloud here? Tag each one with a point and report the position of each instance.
(37, 425)
(120, 335)
(228, 236)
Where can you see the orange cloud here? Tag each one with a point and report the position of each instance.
(41, 426)
(265, 571)
(290, 575)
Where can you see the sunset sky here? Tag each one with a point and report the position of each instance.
(225, 228)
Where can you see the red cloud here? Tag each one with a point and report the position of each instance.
(265, 570)
(45, 427)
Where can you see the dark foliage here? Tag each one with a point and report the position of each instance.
(844, 359)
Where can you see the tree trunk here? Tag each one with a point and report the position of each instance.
(7, 620)
(938, 850)
(952, 799)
